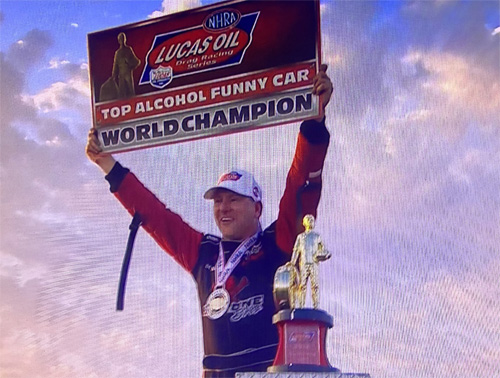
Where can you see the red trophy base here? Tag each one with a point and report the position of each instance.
(302, 341)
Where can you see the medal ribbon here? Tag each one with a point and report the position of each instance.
(222, 270)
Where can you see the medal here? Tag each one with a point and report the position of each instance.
(218, 301)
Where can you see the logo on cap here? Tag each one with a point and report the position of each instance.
(256, 191)
(232, 176)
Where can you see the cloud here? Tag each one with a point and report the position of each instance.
(428, 8)
(459, 88)
(70, 94)
(468, 33)
(30, 49)
(12, 79)
(56, 63)
(75, 25)
(411, 191)
(33, 187)
(399, 299)
(169, 7)
(11, 266)
(356, 59)
(406, 112)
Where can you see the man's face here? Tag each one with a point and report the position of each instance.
(308, 222)
(236, 216)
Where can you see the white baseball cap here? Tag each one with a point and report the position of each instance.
(238, 181)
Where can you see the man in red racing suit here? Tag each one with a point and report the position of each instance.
(240, 336)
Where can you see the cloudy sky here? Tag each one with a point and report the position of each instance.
(410, 206)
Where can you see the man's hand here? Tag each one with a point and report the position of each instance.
(93, 150)
(322, 87)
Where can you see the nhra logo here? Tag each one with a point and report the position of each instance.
(221, 20)
(160, 77)
(232, 176)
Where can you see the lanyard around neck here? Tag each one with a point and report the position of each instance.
(223, 270)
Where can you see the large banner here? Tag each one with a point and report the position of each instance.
(229, 67)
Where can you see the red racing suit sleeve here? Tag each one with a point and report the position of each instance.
(167, 228)
(303, 184)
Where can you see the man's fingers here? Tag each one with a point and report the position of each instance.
(322, 86)
(93, 135)
(320, 76)
(95, 145)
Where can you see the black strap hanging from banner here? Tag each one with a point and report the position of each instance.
(134, 226)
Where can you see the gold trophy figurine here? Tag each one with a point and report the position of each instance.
(308, 251)
(302, 331)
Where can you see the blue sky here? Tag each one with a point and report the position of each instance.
(410, 206)
(73, 19)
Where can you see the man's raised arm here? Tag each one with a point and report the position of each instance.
(167, 228)
(303, 183)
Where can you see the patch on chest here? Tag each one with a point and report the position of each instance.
(246, 307)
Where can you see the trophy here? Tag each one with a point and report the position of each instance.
(302, 331)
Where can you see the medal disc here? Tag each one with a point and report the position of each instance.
(217, 303)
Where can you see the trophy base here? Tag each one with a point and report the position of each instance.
(302, 375)
(302, 338)
(301, 350)
(302, 368)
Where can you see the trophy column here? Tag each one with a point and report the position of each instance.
(302, 341)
